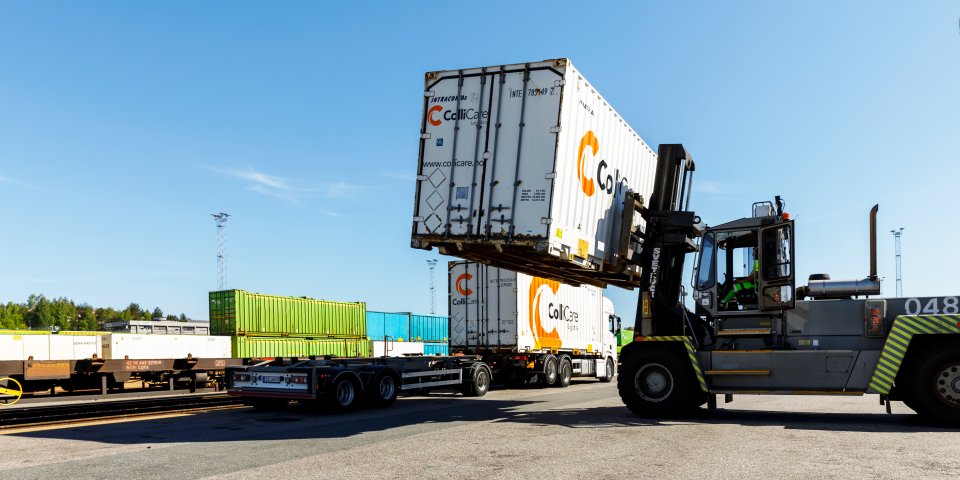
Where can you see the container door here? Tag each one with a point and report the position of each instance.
(776, 267)
(477, 180)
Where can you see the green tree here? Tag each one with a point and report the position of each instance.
(157, 313)
(11, 316)
(184, 318)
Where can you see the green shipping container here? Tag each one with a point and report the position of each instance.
(269, 347)
(237, 312)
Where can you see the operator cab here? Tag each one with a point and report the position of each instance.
(747, 265)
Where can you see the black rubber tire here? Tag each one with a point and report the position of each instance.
(611, 371)
(933, 386)
(266, 404)
(550, 371)
(667, 380)
(479, 385)
(384, 389)
(564, 373)
(343, 394)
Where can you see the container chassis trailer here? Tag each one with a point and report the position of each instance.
(342, 384)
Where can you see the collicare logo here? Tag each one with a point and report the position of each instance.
(463, 290)
(543, 338)
(588, 140)
(434, 109)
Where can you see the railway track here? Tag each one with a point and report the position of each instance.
(16, 417)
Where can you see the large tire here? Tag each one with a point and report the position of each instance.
(564, 373)
(343, 393)
(551, 368)
(611, 371)
(266, 404)
(384, 389)
(658, 383)
(479, 385)
(933, 386)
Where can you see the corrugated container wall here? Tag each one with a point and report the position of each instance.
(498, 309)
(528, 162)
(436, 348)
(237, 312)
(396, 326)
(259, 347)
(429, 328)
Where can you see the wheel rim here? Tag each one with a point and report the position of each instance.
(567, 371)
(387, 387)
(345, 393)
(654, 382)
(550, 372)
(609, 368)
(482, 381)
(948, 385)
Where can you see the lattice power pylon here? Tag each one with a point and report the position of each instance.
(433, 286)
(221, 219)
(896, 243)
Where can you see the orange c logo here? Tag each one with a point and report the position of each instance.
(459, 285)
(588, 140)
(435, 108)
(543, 338)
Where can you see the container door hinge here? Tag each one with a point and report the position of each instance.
(425, 136)
(559, 83)
(546, 220)
(421, 178)
(428, 93)
(550, 175)
(555, 129)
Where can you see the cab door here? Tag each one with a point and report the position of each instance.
(777, 276)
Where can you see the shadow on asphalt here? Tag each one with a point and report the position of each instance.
(447, 410)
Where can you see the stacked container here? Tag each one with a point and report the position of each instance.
(276, 326)
(386, 326)
(389, 330)
(432, 331)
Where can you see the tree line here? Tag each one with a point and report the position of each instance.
(42, 313)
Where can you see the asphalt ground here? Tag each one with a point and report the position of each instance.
(579, 432)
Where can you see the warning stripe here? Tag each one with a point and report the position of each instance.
(904, 328)
(691, 352)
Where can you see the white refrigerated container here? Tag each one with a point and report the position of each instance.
(501, 310)
(73, 347)
(389, 348)
(526, 165)
(117, 346)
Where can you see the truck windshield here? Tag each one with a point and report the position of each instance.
(705, 272)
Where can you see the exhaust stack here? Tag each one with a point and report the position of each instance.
(873, 242)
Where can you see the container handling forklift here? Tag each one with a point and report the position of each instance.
(753, 331)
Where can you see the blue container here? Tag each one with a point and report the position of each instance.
(429, 328)
(393, 325)
(435, 348)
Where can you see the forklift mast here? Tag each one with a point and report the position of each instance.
(671, 232)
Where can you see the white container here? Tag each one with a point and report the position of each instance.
(546, 185)
(73, 347)
(36, 346)
(380, 348)
(11, 347)
(501, 310)
(117, 346)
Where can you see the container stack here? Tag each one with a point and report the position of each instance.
(265, 326)
(404, 333)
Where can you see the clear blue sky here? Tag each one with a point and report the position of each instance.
(123, 125)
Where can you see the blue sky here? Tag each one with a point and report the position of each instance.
(123, 126)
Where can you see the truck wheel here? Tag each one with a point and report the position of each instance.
(611, 371)
(343, 394)
(384, 389)
(550, 371)
(266, 404)
(656, 383)
(480, 384)
(934, 387)
(565, 373)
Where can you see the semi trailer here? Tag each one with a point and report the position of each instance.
(530, 329)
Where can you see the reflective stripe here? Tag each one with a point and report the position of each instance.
(898, 341)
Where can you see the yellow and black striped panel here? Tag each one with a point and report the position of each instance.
(902, 332)
(691, 352)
